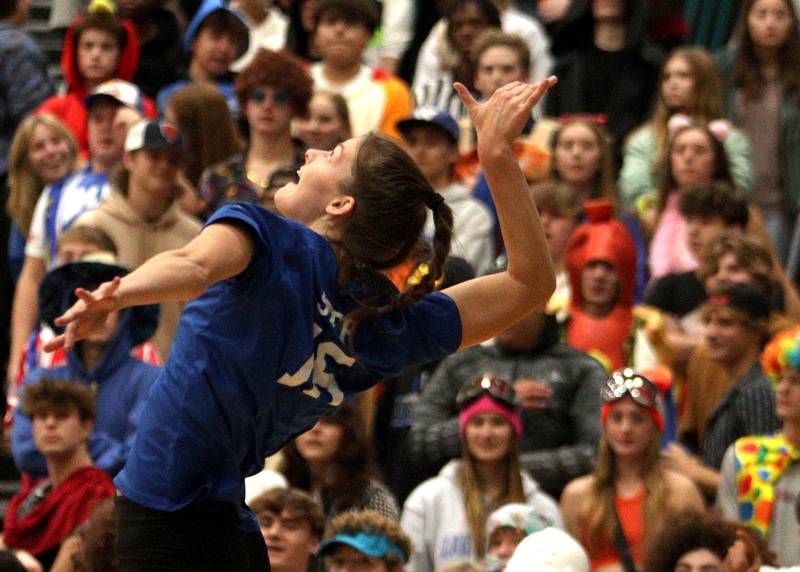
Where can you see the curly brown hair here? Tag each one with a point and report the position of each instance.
(281, 70)
(59, 397)
(299, 504)
(749, 254)
(686, 532)
(372, 521)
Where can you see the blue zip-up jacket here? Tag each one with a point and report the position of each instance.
(122, 384)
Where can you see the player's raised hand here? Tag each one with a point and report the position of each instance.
(87, 315)
(501, 118)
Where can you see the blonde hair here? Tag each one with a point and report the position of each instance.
(24, 184)
(603, 493)
(477, 510)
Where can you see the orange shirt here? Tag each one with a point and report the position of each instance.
(631, 514)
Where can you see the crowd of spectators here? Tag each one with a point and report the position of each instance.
(647, 418)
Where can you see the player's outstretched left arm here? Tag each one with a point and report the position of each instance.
(490, 304)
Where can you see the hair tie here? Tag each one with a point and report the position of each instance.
(433, 200)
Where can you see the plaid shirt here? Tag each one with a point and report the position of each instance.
(747, 409)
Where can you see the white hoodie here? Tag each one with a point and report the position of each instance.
(435, 519)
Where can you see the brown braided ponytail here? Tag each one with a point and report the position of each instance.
(391, 201)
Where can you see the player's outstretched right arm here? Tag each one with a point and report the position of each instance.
(220, 251)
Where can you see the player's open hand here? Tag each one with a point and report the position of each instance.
(501, 118)
(87, 315)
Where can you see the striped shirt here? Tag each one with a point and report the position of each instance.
(747, 409)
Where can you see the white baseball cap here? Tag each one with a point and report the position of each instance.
(549, 550)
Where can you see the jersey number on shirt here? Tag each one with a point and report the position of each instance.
(314, 370)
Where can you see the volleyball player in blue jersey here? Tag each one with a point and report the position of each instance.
(290, 316)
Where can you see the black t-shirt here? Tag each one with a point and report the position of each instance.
(678, 293)
(602, 72)
(681, 292)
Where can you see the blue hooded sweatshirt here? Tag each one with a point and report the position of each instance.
(122, 384)
(223, 84)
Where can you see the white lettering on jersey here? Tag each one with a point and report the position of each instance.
(313, 368)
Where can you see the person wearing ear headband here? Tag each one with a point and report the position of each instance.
(695, 157)
(689, 85)
(629, 484)
(446, 516)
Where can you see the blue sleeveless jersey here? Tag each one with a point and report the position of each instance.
(257, 360)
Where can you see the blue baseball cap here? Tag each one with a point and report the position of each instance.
(372, 544)
(427, 115)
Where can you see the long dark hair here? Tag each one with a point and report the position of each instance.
(298, 39)
(354, 462)
(391, 200)
(747, 73)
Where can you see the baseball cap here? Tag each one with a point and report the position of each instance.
(427, 115)
(520, 516)
(549, 550)
(744, 298)
(372, 544)
(150, 134)
(120, 91)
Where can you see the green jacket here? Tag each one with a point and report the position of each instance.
(636, 177)
(789, 147)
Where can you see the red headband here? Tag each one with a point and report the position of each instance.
(652, 412)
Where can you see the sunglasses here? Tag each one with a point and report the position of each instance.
(497, 388)
(628, 383)
(259, 94)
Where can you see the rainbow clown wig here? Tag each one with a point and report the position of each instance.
(782, 352)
